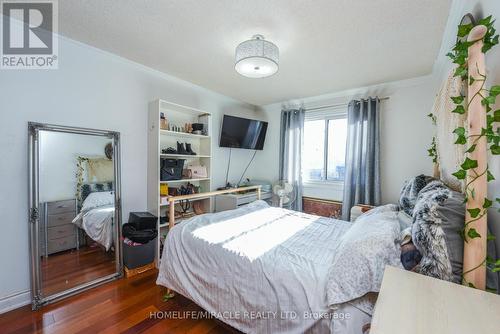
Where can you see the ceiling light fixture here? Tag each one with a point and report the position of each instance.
(256, 58)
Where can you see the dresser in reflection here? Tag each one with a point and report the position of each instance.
(57, 231)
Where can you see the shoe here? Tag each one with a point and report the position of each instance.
(189, 150)
(169, 150)
(181, 149)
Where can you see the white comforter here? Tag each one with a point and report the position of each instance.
(98, 224)
(259, 269)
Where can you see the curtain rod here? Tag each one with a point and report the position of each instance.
(339, 105)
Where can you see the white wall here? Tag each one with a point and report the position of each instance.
(443, 66)
(405, 135)
(58, 153)
(91, 89)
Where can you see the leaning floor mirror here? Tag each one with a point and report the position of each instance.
(74, 210)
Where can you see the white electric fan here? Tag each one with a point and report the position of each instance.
(284, 193)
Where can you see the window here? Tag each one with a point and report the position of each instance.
(323, 153)
(313, 152)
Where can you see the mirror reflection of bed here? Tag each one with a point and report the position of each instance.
(77, 210)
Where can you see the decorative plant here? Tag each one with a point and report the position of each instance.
(79, 177)
(491, 133)
(433, 149)
(168, 295)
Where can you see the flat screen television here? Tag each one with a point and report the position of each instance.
(240, 132)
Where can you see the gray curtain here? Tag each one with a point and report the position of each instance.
(292, 132)
(362, 177)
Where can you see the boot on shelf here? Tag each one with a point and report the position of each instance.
(189, 149)
(181, 149)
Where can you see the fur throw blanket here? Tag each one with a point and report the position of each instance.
(409, 192)
(438, 217)
(428, 234)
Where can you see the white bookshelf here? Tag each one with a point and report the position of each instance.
(159, 139)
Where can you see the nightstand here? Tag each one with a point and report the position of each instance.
(57, 230)
(412, 303)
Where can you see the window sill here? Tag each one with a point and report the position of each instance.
(325, 184)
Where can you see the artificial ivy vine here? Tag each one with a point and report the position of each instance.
(433, 149)
(459, 56)
(79, 177)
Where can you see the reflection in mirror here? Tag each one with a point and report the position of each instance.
(76, 199)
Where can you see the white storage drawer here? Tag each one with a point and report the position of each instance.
(233, 201)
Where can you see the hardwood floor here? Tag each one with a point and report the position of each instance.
(68, 269)
(123, 306)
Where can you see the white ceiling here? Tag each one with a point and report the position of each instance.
(325, 45)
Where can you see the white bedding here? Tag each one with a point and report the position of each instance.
(98, 224)
(372, 243)
(266, 268)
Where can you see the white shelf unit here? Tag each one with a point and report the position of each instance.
(159, 139)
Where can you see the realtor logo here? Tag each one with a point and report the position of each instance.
(28, 34)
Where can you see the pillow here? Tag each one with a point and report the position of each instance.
(97, 199)
(439, 216)
(492, 278)
(405, 220)
(364, 251)
(89, 188)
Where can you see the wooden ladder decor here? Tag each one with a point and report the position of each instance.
(474, 267)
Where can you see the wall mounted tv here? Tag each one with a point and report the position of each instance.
(240, 132)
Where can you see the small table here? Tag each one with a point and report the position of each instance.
(411, 303)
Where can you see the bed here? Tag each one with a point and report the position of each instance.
(262, 269)
(96, 213)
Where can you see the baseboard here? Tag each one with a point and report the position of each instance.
(14, 301)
